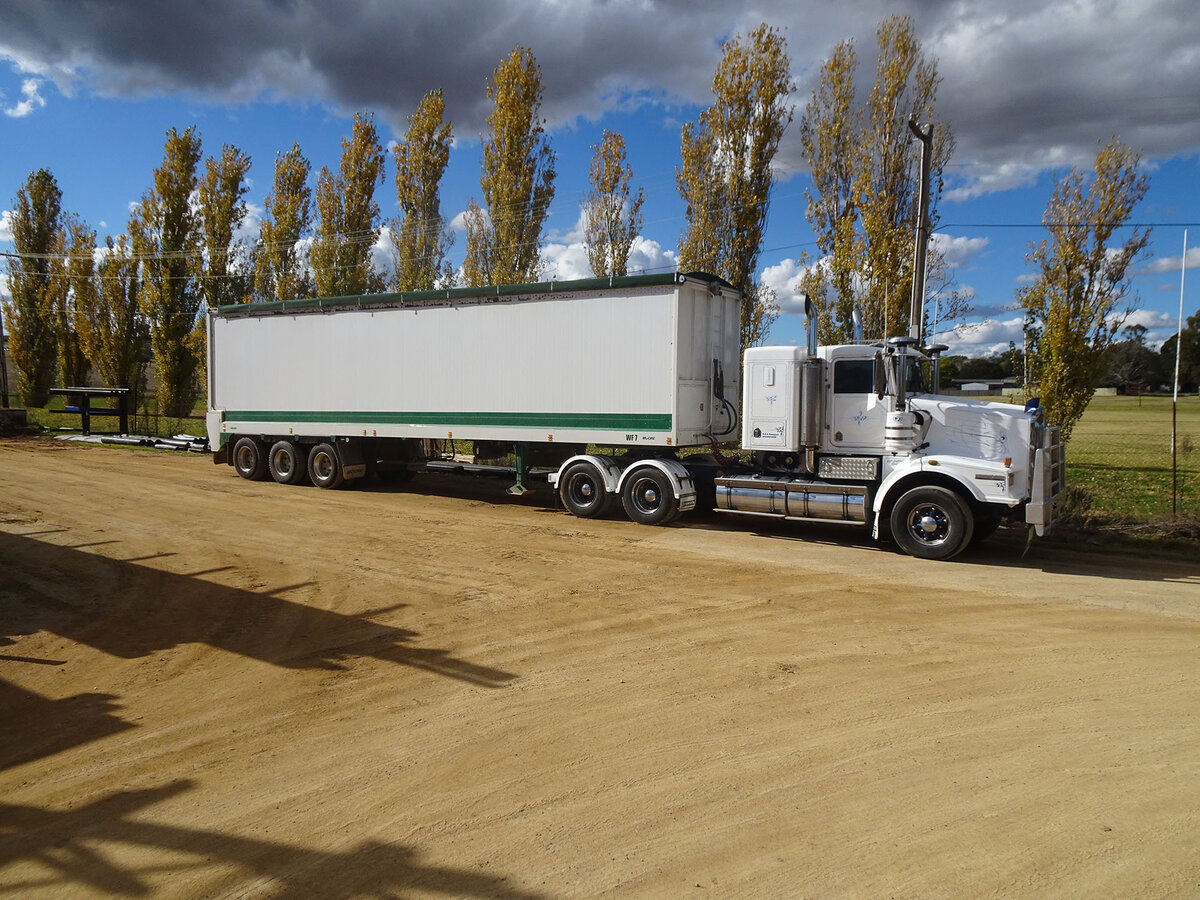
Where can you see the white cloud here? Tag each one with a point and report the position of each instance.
(784, 279)
(576, 234)
(983, 338)
(566, 261)
(6, 234)
(459, 222)
(1171, 263)
(251, 226)
(31, 100)
(958, 251)
(383, 255)
(647, 257)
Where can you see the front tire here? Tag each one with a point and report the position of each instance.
(249, 459)
(647, 497)
(931, 523)
(286, 463)
(583, 491)
(324, 467)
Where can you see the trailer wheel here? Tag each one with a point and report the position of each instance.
(249, 459)
(931, 523)
(583, 491)
(647, 497)
(324, 468)
(286, 463)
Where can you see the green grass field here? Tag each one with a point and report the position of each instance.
(1120, 453)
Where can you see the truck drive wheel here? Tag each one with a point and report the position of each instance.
(931, 523)
(647, 497)
(286, 463)
(583, 491)
(249, 459)
(324, 467)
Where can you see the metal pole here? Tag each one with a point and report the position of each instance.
(3, 345)
(916, 323)
(3, 362)
(1175, 391)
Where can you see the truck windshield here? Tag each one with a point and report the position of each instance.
(916, 379)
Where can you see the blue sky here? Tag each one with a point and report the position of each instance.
(1029, 88)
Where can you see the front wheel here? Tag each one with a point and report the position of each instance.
(324, 467)
(647, 497)
(931, 523)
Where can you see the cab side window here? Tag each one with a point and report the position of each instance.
(853, 376)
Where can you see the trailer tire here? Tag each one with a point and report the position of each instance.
(324, 467)
(249, 459)
(583, 491)
(647, 497)
(931, 523)
(287, 463)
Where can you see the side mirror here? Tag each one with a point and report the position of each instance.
(879, 376)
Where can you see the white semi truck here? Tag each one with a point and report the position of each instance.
(611, 388)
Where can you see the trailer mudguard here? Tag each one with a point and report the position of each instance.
(608, 468)
(682, 485)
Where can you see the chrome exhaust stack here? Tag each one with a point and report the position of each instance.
(811, 387)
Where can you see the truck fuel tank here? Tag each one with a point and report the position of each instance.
(792, 498)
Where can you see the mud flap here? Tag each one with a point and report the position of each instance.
(350, 455)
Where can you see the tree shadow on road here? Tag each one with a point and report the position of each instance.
(130, 610)
(80, 847)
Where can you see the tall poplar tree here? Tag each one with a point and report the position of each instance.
(1074, 308)
(517, 179)
(226, 278)
(348, 216)
(165, 231)
(279, 272)
(612, 214)
(421, 236)
(34, 286)
(726, 175)
(74, 268)
(115, 335)
(865, 168)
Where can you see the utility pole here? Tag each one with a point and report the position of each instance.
(916, 315)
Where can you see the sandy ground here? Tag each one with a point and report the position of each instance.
(217, 688)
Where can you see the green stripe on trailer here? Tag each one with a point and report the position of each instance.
(599, 421)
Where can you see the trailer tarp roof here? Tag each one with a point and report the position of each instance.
(467, 294)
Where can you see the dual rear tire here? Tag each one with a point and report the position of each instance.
(646, 494)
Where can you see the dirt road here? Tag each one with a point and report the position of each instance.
(217, 688)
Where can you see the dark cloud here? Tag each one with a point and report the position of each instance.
(1026, 85)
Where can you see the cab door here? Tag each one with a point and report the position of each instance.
(856, 415)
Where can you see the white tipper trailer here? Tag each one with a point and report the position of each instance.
(598, 385)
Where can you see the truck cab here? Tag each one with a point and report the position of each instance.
(937, 472)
